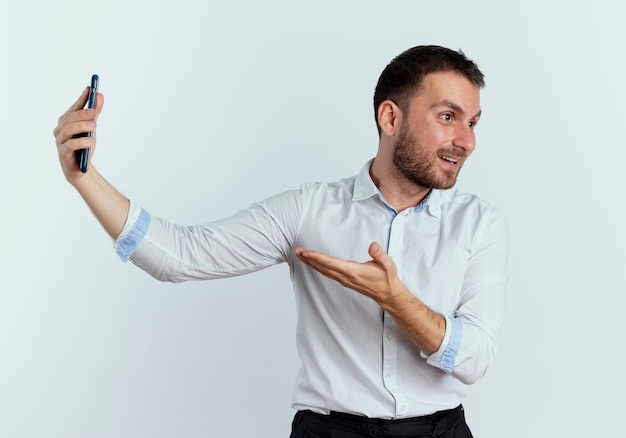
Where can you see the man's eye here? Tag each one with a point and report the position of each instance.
(447, 117)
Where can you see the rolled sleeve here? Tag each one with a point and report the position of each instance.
(134, 231)
(445, 357)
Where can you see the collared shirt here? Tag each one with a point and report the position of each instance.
(450, 252)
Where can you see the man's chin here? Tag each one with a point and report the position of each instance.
(445, 184)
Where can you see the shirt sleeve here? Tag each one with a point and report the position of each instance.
(252, 239)
(472, 332)
(135, 229)
(445, 357)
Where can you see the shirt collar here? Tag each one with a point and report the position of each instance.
(434, 202)
(365, 188)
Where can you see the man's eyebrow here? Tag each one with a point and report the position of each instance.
(456, 108)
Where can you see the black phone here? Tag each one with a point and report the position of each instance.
(83, 154)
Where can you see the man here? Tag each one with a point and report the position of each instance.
(388, 346)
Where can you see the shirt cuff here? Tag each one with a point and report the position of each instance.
(445, 357)
(135, 229)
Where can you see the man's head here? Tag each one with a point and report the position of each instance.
(404, 75)
(427, 104)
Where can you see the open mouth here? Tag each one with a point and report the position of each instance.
(451, 160)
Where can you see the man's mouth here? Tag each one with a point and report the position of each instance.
(451, 160)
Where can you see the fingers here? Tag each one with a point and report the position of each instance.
(346, 272)
(80, 102)
(376, 278)
(77, 120)
(375, 251)
(68, 136)
(74, 122)
(99, 104)
(307, 254)
(71, 122)
(322, 263)
(309, 258)
(73, 144)
(335, 267)
(67, 130)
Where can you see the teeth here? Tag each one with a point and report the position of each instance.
(452, 160)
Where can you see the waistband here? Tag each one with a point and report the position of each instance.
(436, 423)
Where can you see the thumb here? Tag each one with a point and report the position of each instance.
(376, 252)
(99, 104)
(381, 258)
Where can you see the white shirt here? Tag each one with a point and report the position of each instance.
(450, 251)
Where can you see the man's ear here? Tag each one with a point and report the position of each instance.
(389, 118)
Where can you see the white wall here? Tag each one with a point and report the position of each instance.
(213, 105)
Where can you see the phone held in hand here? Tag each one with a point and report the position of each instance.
(83, 154)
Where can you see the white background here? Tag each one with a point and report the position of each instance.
(211, 106)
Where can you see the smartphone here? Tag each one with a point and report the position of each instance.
(83, 154)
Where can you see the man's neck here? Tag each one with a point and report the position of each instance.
(399, 192)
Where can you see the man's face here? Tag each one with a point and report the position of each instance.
(437, 131)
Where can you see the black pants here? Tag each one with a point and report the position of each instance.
(443, 424)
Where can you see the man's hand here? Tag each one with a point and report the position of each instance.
(378, 279)
(75, 121)
(106, 203)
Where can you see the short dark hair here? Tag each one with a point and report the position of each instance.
(404, 75)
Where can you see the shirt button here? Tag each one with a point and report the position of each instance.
(389, 335)
(389, 373)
